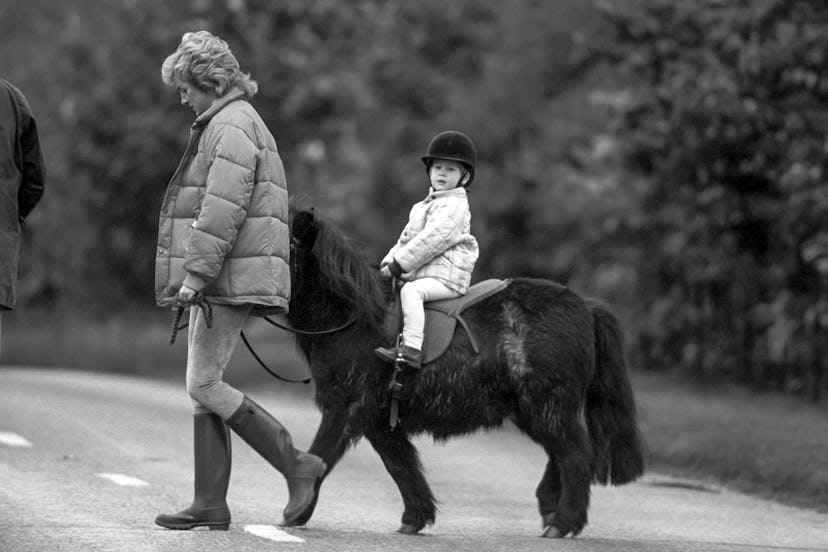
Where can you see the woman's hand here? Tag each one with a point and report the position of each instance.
(186, 295)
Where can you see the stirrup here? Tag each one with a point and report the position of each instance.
(404, 355)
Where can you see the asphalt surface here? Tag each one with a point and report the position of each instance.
(88, 460)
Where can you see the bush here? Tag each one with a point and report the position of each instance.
(725, 118)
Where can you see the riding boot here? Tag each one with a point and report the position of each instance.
(302, 471)
(211, 447)
(413, 358)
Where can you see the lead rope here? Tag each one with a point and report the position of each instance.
(198, 301)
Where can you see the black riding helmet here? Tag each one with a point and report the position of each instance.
(454, 146)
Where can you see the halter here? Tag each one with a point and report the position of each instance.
(295, 247)
(296, 273)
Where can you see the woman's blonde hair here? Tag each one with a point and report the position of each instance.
(205, 61)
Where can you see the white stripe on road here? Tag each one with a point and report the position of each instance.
(13, 439)
(270, 532)
(124, 480)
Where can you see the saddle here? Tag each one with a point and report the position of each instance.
(441, 318)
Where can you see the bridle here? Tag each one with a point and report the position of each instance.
(295, 266)
(296, 276)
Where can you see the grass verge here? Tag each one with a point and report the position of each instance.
(769, 445)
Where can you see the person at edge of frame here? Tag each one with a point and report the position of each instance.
(22, 183)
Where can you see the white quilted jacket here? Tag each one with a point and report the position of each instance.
(437, 241)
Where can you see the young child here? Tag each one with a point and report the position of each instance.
(436, 252)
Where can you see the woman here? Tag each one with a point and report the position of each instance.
(223, 236)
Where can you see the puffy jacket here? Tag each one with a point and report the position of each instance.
(223, 224)
(437, 242)
(21, 182)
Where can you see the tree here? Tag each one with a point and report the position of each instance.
(726, 120)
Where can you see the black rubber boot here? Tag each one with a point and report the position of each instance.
(302, 471)
(211, 447)
(412, 357)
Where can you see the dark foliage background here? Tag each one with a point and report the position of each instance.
(667, 157)
(724, 119)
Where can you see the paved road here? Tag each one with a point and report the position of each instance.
(86, 461)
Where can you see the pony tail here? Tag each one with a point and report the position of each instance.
(610, 409)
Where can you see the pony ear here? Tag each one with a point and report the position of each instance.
(304, 227)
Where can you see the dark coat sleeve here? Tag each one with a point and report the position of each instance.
(32, 184)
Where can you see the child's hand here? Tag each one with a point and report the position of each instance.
(395, 269)
(391, 269)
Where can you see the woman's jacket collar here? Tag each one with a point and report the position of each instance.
(233, 95)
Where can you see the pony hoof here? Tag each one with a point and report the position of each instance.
(408, 529)
(551, 532)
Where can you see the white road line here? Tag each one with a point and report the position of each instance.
(123, 480)
(270, 532)
(13, 439)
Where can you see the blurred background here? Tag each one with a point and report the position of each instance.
(667, 158)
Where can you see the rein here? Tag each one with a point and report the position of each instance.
(268, 370)
(292, 330)
(350, 322)
(208, 312)
(202, 302)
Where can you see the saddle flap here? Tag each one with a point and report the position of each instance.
(441, 317)
(476, 293)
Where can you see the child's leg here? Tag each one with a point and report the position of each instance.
(412, 296)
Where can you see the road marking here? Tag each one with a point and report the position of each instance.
(13, 439)
(270, 532)
(123, 480)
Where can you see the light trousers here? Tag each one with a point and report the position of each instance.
(208, 354)
(412, 296)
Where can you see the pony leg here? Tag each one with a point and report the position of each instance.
(402, 461)
(563, 492)
(330, 440)
(574, 461)
(548, 492)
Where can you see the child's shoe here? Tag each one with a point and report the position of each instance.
(413, 358)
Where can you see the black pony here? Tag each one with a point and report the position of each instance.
(549, 360)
